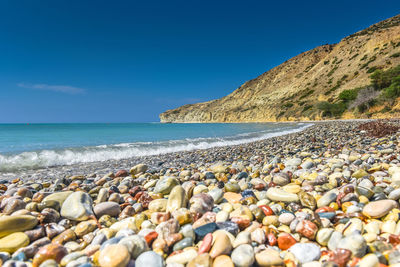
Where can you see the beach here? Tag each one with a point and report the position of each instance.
(324, 196)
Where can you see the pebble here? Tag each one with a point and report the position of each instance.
(114, 255)
(380, 208)
(243, 256)
(77, 206)
(13, 242)
(149, 258)
(306, 252)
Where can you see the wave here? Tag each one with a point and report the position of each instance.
(50, 158)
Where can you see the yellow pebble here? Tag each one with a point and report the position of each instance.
(363, 199)
(334, 205)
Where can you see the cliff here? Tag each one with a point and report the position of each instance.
(291, 90)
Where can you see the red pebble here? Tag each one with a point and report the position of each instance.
(150, 237)
(206, 245)
(285, 241)
(307, 229)
(267, 210)
(325, 209)
(241, 222)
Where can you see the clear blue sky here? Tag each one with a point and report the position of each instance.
(127, 61)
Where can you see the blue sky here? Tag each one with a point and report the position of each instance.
(127, 61)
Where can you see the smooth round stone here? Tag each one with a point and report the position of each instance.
(281, 179)
(115, 255)
(355, 243)
(286, 218)
(268, 258)
(158, 205)
(327, 198)
(380, 208)
(223, 260)
(16, 223)
(107, 208)
(165, 185)
(13, 242)
(135, 244)
(243, 256)
(149, 258)
(306, 252)
(139, 168)
(323, 236)
(217, 194)
(293, 162)
(77, 206)
(186, 242)
(177, 199)
(276, 194)
(59, 197)
(51, 251)
(369, 260)
(395, 194)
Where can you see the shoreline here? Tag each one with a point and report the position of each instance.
(156, 162)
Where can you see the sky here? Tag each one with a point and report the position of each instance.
(127, 61)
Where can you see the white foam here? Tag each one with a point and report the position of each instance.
(48, 158)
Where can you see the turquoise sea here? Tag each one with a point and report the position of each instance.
(30, 146)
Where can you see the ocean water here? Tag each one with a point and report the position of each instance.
(32, 146)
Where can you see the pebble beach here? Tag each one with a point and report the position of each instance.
(326, 196)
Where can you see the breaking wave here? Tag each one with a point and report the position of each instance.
(69, 156)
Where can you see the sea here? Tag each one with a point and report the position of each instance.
(33, 146)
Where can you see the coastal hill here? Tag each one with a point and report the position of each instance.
(359, 77)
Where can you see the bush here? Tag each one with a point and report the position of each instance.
(393, 90)
(348, 95)
(330, 109)
(288, 105)
(383, 79)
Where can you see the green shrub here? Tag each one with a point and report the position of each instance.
(332, 109)
(307, 108)
(383, 79)
(348, 95)
(395, 54)
(287, 105)
(362, 108)
(393, 90)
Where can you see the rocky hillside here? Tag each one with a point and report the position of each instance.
(295, 89)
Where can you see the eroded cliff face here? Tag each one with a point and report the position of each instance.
(290, 90)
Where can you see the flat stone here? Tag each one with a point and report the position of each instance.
(115, 255)
(276, 194)
(380, 208)
(13, 242)
(77, 207)
(59, 197)
(16, 223)
(107, 208)
(305, 252)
